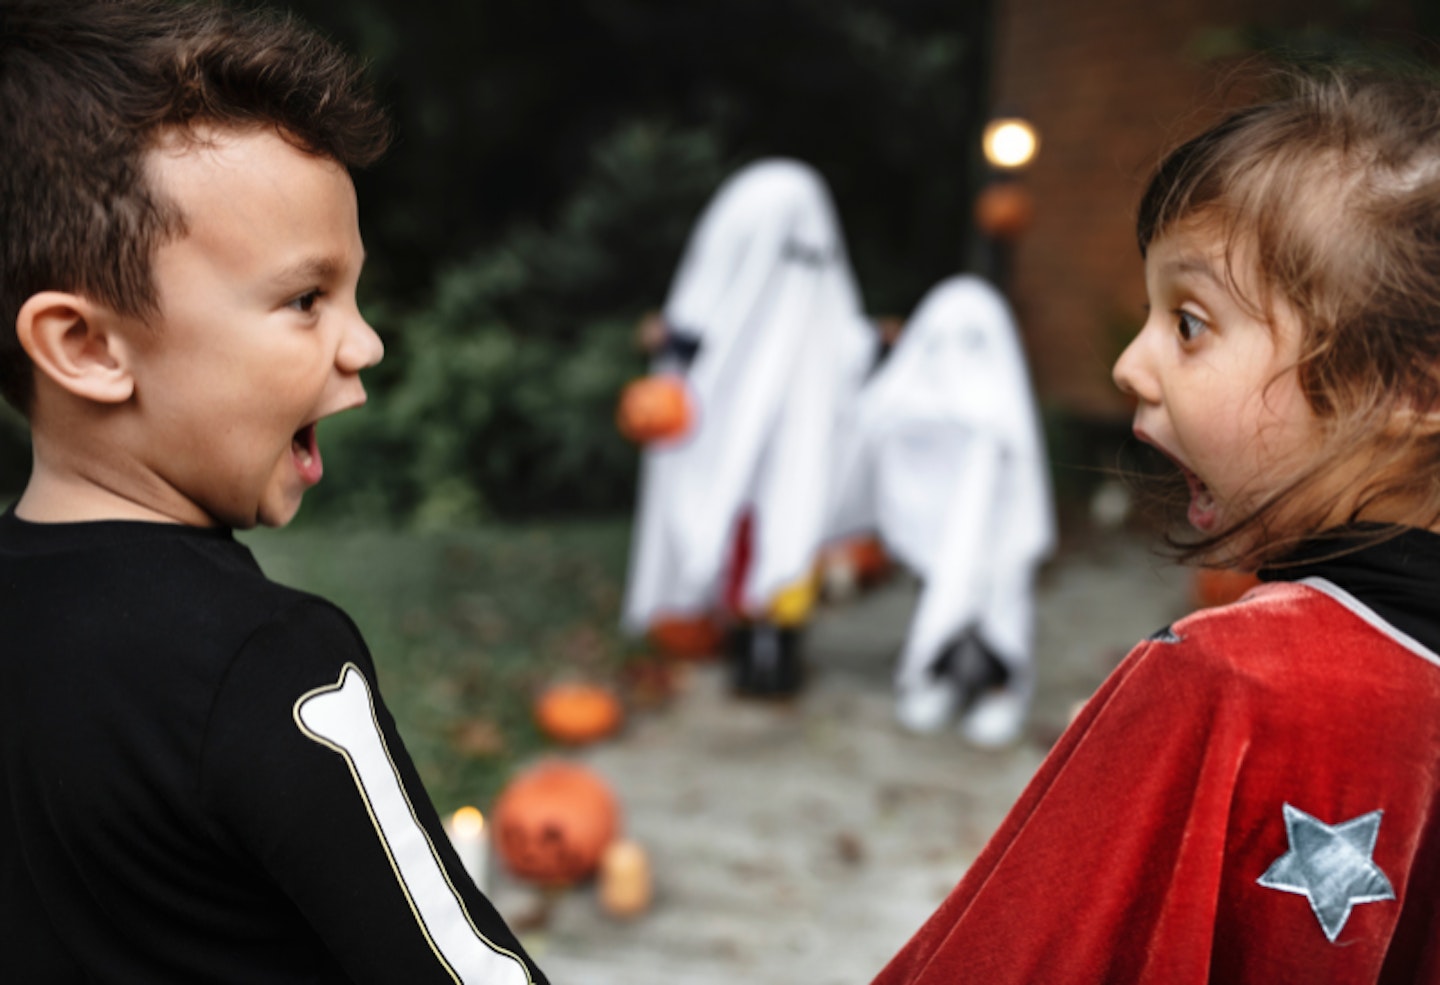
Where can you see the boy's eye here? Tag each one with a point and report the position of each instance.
(305, 302)
(1188, 325)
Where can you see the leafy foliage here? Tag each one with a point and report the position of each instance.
(503, 396)
(563, 151)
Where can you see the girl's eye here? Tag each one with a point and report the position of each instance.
(305, 303)
(1188, 326)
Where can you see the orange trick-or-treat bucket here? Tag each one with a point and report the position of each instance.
(654, 408)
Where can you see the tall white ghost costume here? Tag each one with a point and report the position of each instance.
(765, 288)
(947, 461)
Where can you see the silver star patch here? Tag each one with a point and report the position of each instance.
(1331, 866)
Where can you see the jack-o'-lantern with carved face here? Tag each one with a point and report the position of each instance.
(553, 823)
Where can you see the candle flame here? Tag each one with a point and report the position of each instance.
(467, 822)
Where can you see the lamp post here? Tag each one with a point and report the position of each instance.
(1004, 207)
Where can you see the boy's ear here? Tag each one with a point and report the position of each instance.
(76, 344)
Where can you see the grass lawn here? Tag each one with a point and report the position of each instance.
(465, 627)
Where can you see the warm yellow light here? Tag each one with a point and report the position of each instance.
(1010, 143)
(467, 822)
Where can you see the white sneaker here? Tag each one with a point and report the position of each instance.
(995, 720)
(928, 707)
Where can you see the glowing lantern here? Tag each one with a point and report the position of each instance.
(1009, 143)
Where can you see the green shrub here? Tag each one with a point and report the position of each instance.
(498, 397)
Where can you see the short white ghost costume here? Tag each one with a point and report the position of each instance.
(947, 461)
(765, 288)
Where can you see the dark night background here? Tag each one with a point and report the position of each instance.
(550, 160)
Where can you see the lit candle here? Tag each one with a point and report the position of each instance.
(467, 833)
(625, 888)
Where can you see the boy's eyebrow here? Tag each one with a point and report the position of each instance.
(313, 268)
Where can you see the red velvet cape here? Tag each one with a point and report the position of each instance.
(1136, 852)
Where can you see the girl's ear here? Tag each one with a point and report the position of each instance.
(76, 343)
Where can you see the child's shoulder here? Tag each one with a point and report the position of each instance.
(1285, 639)
(1288, 665)
(137, 577)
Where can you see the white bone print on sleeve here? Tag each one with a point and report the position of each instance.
(341, 717)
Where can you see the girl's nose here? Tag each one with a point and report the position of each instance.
(1132, 371)
(361, 347)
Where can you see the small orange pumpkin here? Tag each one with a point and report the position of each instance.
(1004, 209)
(554, 821)
(654, 408)
(578, 712)
(688, 636)
(1221, 586)
(853, 564)
(870, 559)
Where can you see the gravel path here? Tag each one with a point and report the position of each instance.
(806, 841)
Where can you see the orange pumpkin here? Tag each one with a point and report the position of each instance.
(654, 408)
(688, 636)
(1003, 209)
(853, 564)
(577, 713)
(868, 556)
(1221, 586)
(553, 823)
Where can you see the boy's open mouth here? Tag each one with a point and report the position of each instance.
(305, 450)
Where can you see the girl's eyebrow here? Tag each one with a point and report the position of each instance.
(1191, 265)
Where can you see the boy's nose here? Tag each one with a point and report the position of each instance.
(361, 347)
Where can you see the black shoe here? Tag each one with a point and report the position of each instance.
(765, 660)
(974, 666)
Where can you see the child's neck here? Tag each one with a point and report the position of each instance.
(53, 496)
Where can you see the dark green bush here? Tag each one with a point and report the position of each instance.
(499, 395)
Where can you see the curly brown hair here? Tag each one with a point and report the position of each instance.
(1332, 192)
(87, 87)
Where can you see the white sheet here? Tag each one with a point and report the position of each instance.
(765, 284)
(946, 459)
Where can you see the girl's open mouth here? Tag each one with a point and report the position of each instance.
(1202, 512)
(305, 450)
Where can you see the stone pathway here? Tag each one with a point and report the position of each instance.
(806, 841)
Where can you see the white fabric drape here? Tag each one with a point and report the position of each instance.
(765, 285)
(946, 459)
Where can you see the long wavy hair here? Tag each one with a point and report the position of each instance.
(1331, 193)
